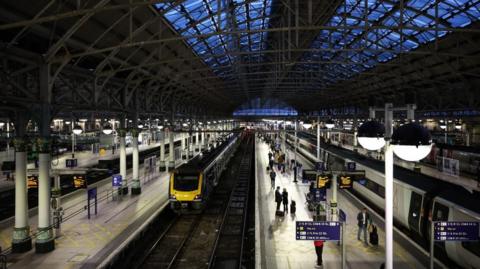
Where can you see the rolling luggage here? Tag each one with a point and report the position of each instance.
(280, 213)
(293, 207)
(374, 236)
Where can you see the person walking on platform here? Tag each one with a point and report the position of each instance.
(270, 163)
(285, 200)
(278, 198)
(273, 175)
(319, 250)
(363, 219)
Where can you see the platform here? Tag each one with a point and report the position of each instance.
(86, 242)
(276, 243)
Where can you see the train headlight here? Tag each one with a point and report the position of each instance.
(173, 197)
(198, 197)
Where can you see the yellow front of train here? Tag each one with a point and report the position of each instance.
(185, 191)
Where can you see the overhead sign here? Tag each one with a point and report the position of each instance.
(323, 180)
(456, 231)
(345, 182)
(79, 181)
(320, 166)
(318, 230)
(116, 180)
(71, 163)
(351, 166)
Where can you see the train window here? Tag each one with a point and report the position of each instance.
(414, 212)
(185, 182)
(440, 212)
(473, 247)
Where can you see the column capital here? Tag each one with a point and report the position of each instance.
(122, 132)
(135, 132)
(44, 144)
(20, 144)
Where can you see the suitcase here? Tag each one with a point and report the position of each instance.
(374, 236)
(279, 213)
(293, 207)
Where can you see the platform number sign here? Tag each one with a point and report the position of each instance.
(116, 180)
(318, 230)
(345, 182)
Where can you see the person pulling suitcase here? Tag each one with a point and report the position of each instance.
(373, 235)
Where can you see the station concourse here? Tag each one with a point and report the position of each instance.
(147, 134)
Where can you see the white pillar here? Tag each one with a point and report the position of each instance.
(333, 202)
(45, 239)
(162, 148)
(21, 240)
(123, 156)
(136, 186)
(318, 138)
(171, 148)
(295, 145)
(197, 144)
(388, 187)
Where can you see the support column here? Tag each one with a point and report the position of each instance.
(197, 144)
(333, 201)
(21, 241)
(162, 149)
(318, 139)
(122, 133)
(388, 187)
(45, 240)
(136, 186)
(295, 170)
(171, 148)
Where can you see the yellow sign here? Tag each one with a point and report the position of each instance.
(32, 182)
(79, 182)
(345, 182)
(102, 152)
(322, 181)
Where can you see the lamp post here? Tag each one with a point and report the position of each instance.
(410, 142)
(76, 130)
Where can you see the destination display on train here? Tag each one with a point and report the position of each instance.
(456, 231)
(318, 230)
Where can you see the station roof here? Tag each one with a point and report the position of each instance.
(219, 54)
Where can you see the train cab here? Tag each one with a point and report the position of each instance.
(186, 190)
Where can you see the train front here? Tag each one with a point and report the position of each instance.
(185, 191)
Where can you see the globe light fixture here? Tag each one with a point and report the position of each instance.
(140, 126)
(307, 125)
(443, 126)
(371, 135)
(160, 127)
(77, 129)
(107, 129)
(2, 124)
(411, 142)
(458, 126)
(330, 124)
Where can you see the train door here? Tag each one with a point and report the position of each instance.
(414, 212)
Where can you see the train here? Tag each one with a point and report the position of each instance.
(192, 183)
(468, 157)
(418, 199)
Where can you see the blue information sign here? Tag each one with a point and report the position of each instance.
(456, 231)
(92, 193)
(351, 166)
(342, 216)
(320, 166)
(320, 194)
(318, 230)
(70, 163)
(116, 180)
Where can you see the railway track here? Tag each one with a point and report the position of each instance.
(189, 241)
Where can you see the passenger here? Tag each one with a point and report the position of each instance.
(278, 198)
(311, 189)
(270, 154)
(270, 163)
(363, 219)
(319, 250)
(272, 178)
(285, 200)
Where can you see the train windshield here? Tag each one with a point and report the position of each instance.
(185, 182)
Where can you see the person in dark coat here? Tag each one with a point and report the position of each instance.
(285, 200)
(319, 250)
(273, 175)
(278, 198)
(363, 219)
